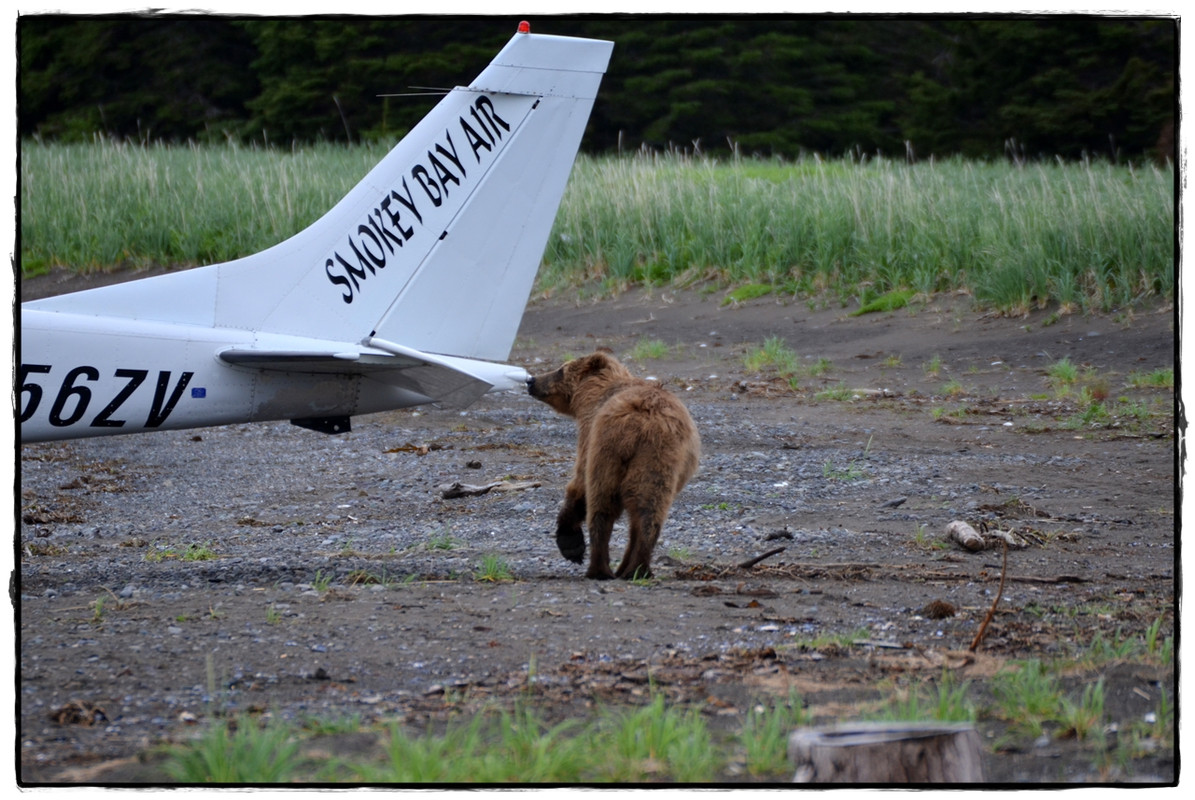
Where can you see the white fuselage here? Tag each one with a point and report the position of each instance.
(95, 376)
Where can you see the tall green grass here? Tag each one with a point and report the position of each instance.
(1088, 235)
(113, 204)
(1082, 235)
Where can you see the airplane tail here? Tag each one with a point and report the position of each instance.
(437, 247)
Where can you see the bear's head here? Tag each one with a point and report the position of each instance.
(565, 388)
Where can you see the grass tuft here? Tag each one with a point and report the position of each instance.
(646, 349)
(774, 354)
(885, 302)
(493, 569)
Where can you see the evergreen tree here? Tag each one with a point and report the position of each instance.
(1064, 86)
(330, 79)
(171, 78)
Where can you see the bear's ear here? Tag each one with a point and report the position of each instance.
(592, 363)
(602, 359)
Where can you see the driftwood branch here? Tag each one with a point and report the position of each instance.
(992, 611)
(450, 491)
(751, 562)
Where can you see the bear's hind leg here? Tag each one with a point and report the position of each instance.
(601, 525)
(641, 539)
(646, 522)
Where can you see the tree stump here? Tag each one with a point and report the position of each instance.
(887, 752)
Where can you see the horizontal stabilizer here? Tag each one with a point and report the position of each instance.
(342, 362)
(423, 374)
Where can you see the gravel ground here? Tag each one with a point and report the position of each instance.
(170, 579)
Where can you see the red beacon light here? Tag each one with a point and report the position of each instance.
(524, 27)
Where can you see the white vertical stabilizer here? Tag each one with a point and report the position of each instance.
(436, 248)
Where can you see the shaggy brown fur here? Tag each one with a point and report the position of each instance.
(636, 448)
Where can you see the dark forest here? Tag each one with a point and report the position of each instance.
(904, 86)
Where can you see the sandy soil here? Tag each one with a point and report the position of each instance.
(172, 579)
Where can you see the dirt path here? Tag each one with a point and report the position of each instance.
(172, 578)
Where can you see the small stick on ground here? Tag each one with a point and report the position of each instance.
(751, 562)
(992, 611)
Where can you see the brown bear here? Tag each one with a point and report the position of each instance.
(637, 447)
